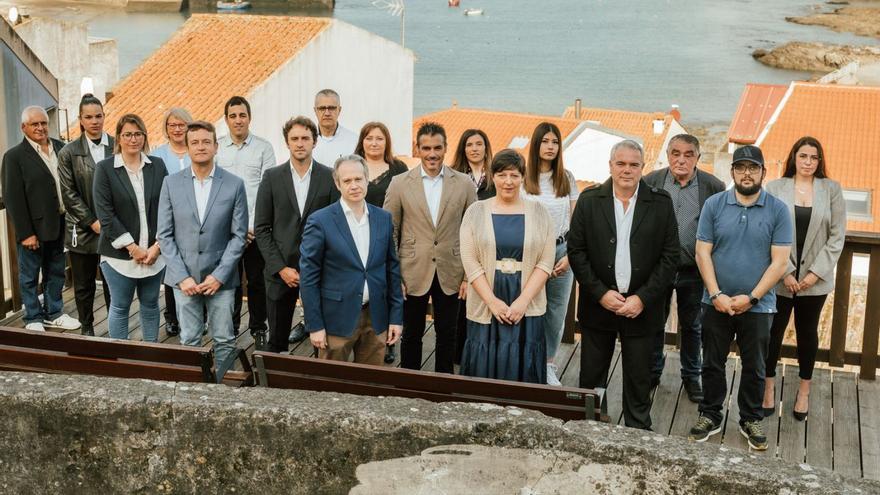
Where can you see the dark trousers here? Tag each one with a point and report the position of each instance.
(280, 310)
(688, 288)
(170, 307)
(251, 265)
(752, 333)
(597, 349)
(807, 310)
(460, 331)
(84, 269)
(48, 259)
(445, 316)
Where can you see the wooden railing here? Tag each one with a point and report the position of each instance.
(837, 354)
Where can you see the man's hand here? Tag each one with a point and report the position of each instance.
(319, 338)
(722, 304)
(499, 310)
(517, 310)
(394, 332)
(561, 267)
(31, 243)
(152, 254)
(809, 280)
(632, 307)
(189, 287)
(96, 227)
(290, 276)
(137, 254)
(791, 284)
(740, 304)
(210, 285)
(462, 290)
(612, 301)
(249, 238)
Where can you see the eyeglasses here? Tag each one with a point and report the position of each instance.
(749, 168)
(42, 123)
(176, 126)
(330, 108)
(128, 136)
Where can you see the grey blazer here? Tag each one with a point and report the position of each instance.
(825, 234)
(195, 249)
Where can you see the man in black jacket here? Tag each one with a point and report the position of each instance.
(32, 193)
(689, 188)
(623, 249)
(287, 195)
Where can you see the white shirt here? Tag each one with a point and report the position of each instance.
(97, 150)
(624, 221)
(130, 268)
(301, 185)
(51, 161)
(248, 161)
(433, 191)
(328, 149)
(559, 208)
(360, 231)
(202, 189)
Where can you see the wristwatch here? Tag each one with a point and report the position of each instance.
(753, 300)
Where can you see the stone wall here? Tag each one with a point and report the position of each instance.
(76, 434)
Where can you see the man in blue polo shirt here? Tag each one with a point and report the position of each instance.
(743, 242)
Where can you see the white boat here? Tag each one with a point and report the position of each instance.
(473, 11)
(233, 5)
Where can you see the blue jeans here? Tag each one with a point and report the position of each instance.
(50, 259)
(558, 292)
(191, 314)
(122, 291)
(688, 288)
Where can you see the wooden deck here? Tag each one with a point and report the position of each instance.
(842, 432)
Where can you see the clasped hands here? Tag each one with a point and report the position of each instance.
(143, 256)
(208, 287)
(732, 305)
(508, 315)
(794, 286)
(629, 307)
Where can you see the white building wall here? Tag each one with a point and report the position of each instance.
(373, 76)
(587, 155)
(674, 129)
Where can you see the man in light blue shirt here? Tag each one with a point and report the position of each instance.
(247, 156)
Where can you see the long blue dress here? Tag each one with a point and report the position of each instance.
(508, 352)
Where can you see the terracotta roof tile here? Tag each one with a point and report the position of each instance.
(756, 106)
(210, 58)
(636, 124)
(846, 120)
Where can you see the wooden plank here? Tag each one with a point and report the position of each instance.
(666, 396)
(819, 453)
(871, 336)
(731, 435)
(429, 342)
(772, 424)
(792, 433)
(869, 415)
(614, 388)
(840, 314)
(847, 458)
(571, 374)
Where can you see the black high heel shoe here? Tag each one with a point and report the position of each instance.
(800, 416)
(769, 411)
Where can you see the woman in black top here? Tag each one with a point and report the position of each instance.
(472, 157)
(374, 144)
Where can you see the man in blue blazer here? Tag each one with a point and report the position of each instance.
(350, 274)
(203, 221)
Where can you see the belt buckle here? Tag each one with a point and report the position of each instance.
(507, 265)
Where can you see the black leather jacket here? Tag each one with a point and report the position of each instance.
(76, 170)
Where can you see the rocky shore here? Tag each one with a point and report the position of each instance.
(864, 21)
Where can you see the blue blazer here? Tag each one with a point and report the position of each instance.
(332, 275)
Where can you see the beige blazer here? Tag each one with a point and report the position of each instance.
(825, 234)
(478, 253)
(423, 248)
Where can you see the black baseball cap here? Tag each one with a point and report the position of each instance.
(749, 154)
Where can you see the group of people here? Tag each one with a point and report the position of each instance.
(494, 242)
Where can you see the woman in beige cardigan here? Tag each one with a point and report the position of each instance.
(507, 249)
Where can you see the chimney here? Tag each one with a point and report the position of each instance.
(577, 108)
(658, 126)
(676, 114)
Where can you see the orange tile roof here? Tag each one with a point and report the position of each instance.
(500, 127)
(637, 124)
(209, 59)
(756, 106)
(846, 120)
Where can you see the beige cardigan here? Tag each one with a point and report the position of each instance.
(478, 253)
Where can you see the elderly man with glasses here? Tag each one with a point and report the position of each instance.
(334, 140)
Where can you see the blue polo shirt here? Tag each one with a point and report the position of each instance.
(741, 237)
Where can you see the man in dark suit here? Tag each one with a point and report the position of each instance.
(623, 249)
(32, 193)
(350, 273)
(287, 195)
(689, 188)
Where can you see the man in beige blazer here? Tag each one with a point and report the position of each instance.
(427, 205)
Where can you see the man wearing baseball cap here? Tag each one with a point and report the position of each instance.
(743, 242)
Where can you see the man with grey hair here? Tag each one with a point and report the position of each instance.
(334, 140)
(350, 274)
(623, 249)
(32, 193)
(689, 188)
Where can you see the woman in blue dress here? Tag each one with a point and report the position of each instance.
(508, 251)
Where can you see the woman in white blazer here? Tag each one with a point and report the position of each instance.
(819, 211)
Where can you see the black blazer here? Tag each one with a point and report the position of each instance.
(592, 242)
(29, 193)
(76, 169)
(116, 204)
(278, 225)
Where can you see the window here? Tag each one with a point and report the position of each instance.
(858, 204)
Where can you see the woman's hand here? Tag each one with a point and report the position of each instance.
(517, 310)
(499, 310)
(791, 283)
(809, 280)
(138, 254)
(561, 267)
(152, 254)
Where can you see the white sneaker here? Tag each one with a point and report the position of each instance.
(552, 379)
(35, 326)
(64, 322)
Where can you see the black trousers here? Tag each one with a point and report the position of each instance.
(807, 310)
(460, 331)
(752, 333)
(597, 349)
(251, 265)
(84, 269)
(280, 312)
(445, 315)
(170, 307)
